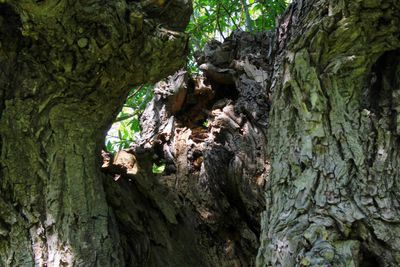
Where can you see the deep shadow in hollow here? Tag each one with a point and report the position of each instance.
(383, 89)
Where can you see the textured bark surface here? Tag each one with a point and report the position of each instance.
(333, 193)
(331, 73)
(65, 70)
(318, 98)
(209, 131)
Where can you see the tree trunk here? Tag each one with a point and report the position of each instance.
(208, 131)
(66, 69)
(316, 102)
(333, 193)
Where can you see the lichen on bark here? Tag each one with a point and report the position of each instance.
(332, 197)
(66, 68)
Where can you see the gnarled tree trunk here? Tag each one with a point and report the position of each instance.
(315, 103)
(66, 69)
(207, 203)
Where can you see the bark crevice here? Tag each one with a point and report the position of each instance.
(318, 108)
(210, 136)
(67, 68)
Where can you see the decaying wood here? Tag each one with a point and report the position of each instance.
(212, 141)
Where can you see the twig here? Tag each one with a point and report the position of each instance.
(122, 118)
(229, 14)
(137, 91)
(218, 25)
(247, 15)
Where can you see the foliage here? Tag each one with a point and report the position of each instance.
(158, 168)
(126, 126)
(217, 19)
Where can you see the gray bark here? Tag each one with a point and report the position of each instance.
(331, 74)
(333, 193)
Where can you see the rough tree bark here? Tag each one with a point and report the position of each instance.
(333, 193)
(209, 133)
(316, 101)
(65, 69)
(331, 74)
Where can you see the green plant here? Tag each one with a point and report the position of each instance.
(126, 127)
(217, 19)
(158, 168)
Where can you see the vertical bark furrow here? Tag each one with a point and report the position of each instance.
(331, 198)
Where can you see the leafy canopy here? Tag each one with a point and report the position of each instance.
(216, 19)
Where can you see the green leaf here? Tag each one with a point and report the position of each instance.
(109, 146)
(135, 125)
(158, 168)
(123, 117)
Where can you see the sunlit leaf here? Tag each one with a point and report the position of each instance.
(158, 168)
